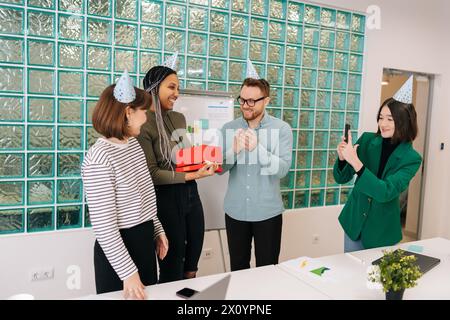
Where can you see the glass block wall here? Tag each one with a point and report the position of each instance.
(56, 56)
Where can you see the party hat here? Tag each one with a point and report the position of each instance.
(405, 93)
(124, 90)
(171, 62)
(251, 71)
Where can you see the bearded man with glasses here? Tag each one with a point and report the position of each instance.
(257, 154)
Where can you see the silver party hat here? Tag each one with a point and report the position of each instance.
(124, 90)
(405, 93)
(251, 71)
(171, 62)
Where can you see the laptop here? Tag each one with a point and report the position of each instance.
(425, 263)
(216, 291)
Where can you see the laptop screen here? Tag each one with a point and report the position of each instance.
(216, 291)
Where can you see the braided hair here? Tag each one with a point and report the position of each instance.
(151, 82)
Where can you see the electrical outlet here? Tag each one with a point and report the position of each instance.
(315, 239)
(207, 253)
(42, 274)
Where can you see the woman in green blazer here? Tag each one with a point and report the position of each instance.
(385, 162)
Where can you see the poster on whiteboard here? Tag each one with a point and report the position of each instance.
(206, 112)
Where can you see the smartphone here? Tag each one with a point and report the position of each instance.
(347, 129)
(186, 292)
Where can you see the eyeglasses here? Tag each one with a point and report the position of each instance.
(250, 102)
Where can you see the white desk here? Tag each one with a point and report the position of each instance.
(347, 277)
(435, 284)
(264, 283)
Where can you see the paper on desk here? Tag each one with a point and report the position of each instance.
(316, 269)
(415, 248)
(320, 271)
(298, 263)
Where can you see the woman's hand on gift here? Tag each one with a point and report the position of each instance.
(208, 169)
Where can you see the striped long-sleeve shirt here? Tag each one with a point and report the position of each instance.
(120, 195)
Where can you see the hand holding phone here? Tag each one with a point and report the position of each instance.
(346, 132)
(186, 293)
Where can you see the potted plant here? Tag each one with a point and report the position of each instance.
(396, 272)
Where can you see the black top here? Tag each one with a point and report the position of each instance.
(387, 148)
(386, 151)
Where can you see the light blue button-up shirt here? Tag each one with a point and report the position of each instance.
(253, 192)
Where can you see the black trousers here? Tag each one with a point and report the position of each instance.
(267, 238)
(181, 214)
(140, 245)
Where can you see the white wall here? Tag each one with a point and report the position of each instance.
(20, 254)
(413, 36)
(213, 262)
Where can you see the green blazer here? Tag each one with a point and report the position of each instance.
(372, 210)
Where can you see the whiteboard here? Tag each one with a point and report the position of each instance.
(206, 112)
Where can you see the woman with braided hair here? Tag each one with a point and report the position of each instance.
(179, 207)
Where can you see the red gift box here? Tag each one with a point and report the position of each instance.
(193, 158)
(194, 167)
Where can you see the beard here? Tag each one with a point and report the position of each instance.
(252, 115)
